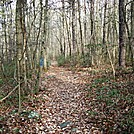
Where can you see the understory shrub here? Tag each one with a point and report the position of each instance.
(61, 60)
(74, 60)
(111, 106)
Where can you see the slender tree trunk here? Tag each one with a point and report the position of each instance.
(4, 27)
(38, 46)
(81, 35)
(21, 45)
(68, 37)
(45, 34)
(115, 34)
(63, 27)
(61, 37)
(19, 41)
(24, 45)
(92, 24)
(38, 33)
(132, 34)
(85, 23)
(73, 26)
(122, 35)
(104, 30)
(10, 30)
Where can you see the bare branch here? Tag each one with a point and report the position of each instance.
(9, 94)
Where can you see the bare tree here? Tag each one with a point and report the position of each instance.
(72, 2)
(104, 28)
(132, 33)
(92, 31)
(80, 25)
(122, 34)
(21, 45)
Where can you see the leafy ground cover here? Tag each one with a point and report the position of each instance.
(75, 100)
(111, 105)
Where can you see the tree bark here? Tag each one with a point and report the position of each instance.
(4, 27)
(19, 42)
(21, 45)
(81, 35)
(63, 26)
(73, 26)
(104, 30)
(85, 23)
(132, 34)
(92, 24)
(122, 35)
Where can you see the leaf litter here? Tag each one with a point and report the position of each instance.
(81, 102)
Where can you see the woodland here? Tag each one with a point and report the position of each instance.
(66, 66)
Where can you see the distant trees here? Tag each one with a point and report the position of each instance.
(84, 25)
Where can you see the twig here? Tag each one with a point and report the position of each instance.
(9, 94)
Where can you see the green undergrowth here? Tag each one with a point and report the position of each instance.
(74, 60)
(111, 106)
(8, 82)
(61, 60)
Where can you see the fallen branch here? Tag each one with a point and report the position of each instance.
(9, 94)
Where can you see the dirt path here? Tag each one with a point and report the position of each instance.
(59, 107)
(65, 105)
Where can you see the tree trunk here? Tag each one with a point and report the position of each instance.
(21, 44)
(122, 34)
(132, 34)
(73, 26)
(63, 27)
(19, 35)
(68, 36)
(44, 47)
(104, 30)
(85, 23)
(4, 27)
(92, 24)
(81, 35)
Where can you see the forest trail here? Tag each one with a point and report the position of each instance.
(60, 106)
(65, 105)
(73, 101)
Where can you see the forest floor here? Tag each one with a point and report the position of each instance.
(75, 101)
